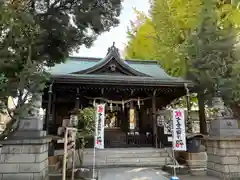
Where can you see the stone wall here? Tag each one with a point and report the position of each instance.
(24, 160)
(223, 157)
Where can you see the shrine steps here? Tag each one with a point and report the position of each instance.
(131, 157)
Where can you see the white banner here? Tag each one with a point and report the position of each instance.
(179, 134)
(99, 126)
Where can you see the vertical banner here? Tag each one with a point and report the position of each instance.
(99, 126)
(131, 119)
(179, 134)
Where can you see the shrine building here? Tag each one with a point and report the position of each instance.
(134, 92)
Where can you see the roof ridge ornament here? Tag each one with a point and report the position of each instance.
(113, 49)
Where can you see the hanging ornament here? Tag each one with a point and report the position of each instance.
(94, 103)
(123, 105)
(111, 106)
(138, 102)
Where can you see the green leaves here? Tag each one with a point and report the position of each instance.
(36, 34)
(86, 123)
(159, 36)
(211, 51)
(195, 39)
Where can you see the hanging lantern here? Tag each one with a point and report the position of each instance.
(138, 102)
(111, 106)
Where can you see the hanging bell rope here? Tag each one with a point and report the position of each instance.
(123, 105)
(138, 103)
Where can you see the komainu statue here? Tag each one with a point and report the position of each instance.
(35, 106)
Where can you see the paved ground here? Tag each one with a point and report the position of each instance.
(188, 177)
(144, 174)
(140, 174)
(132, 174)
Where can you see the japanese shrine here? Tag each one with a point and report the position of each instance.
(134, 91)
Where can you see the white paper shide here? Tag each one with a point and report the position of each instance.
(179, 134)
(99, 126)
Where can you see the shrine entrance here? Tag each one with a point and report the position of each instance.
(133, 92)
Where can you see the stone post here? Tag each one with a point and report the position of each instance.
(24, 155)
(223, 144)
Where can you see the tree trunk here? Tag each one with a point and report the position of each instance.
(201, 112)
(236, 111)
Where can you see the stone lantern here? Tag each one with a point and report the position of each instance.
(74, 118)
(223, 143)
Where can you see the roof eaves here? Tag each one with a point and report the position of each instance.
(122, 79)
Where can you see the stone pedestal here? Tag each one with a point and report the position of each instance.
(223, 144)
(223, 157)
(24, 160)
(224, 124)
(197, 163)
(24, 155)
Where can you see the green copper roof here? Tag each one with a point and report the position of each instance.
(76, 64)
(94, 68)
(73, 64)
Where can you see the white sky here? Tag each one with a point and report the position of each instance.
(118, 34)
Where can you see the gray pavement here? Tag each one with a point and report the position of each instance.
(144, 174)
(132, 174)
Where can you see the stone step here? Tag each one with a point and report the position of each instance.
(132, 162)
(129, 155)
(126, 150)
(110, 159)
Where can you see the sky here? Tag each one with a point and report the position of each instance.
(118, 34)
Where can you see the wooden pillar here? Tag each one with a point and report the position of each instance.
(154, 118)
(49, 110)
(54, 109)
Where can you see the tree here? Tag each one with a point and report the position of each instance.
(67, 24)
(141, 44)
(174, 23)
(86, 125)
(163, 32)
(37, 34)
(210, 53)
(22, 73)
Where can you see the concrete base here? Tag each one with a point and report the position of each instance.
(224, 126)
(29, 128)
(223, 157)
(24, 159)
